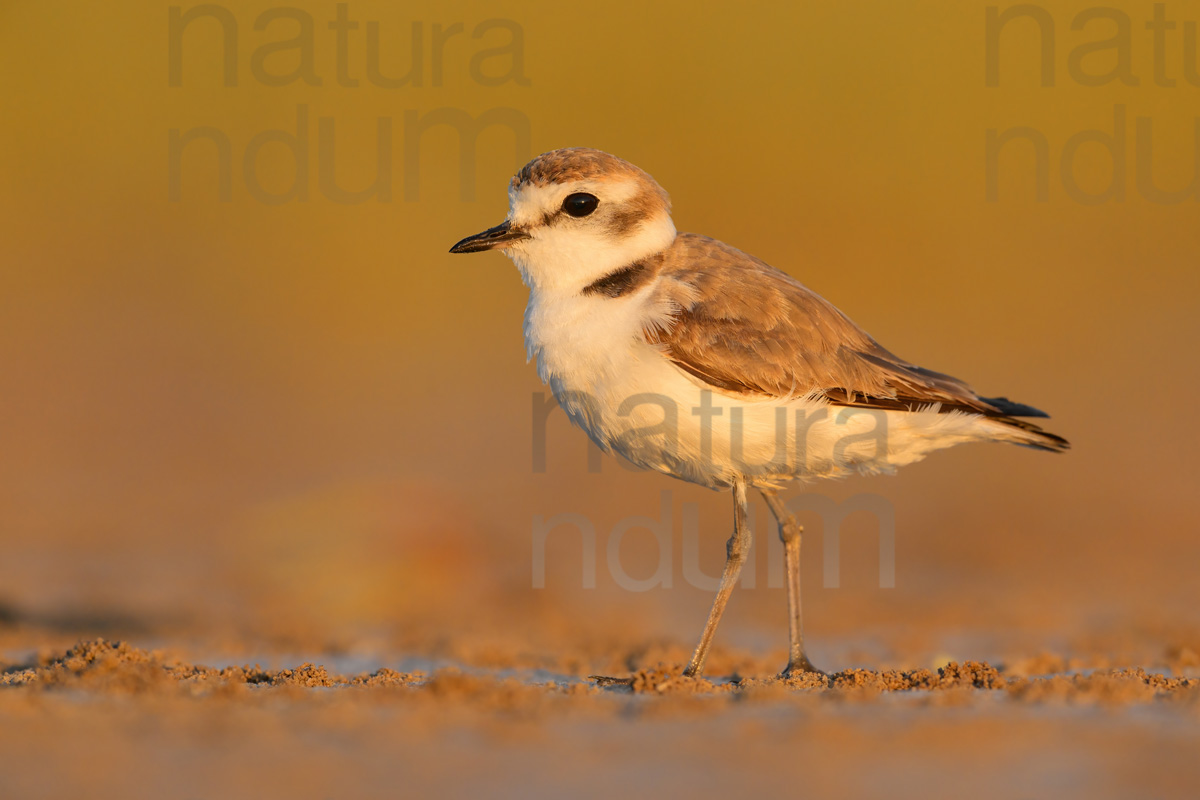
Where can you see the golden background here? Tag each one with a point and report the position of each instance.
(308, 424)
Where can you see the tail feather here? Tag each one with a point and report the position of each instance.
(1031, 435)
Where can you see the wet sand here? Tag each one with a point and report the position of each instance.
(112, 719)
(372, 643)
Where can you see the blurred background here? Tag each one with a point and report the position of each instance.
(248, 403)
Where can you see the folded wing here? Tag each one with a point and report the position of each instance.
(744, 327)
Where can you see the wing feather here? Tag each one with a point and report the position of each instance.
(743, 326)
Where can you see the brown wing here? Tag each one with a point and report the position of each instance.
(748, 328)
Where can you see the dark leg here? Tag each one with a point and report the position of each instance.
(789, 533)
(736, 552)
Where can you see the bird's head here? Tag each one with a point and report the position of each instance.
(576, 215)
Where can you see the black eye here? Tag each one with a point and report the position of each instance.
(580, 204)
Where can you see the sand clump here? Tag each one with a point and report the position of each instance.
(105, 667)
(665, 678)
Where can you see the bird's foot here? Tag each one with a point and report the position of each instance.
(800, 666)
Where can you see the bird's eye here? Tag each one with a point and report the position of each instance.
(580, 204)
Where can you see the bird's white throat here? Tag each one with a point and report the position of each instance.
(560, 260)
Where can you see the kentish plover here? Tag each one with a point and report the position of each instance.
(690, 357)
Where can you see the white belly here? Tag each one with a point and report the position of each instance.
(632, 400)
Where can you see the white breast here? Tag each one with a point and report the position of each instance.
(588, 352)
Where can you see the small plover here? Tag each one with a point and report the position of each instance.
(687, 356)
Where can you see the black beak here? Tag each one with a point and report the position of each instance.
(490, 239)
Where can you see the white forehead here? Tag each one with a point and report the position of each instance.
(528, 203)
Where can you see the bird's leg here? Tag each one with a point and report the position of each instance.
(789, 534)
(736, 552)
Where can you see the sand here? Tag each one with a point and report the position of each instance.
(369, 643)
(112, 719)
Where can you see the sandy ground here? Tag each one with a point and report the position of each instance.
(102, 718)
(385, 641)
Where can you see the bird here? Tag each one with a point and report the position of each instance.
(687, 356)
